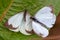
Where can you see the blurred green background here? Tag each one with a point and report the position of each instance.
(20, 5)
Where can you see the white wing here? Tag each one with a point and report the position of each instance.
(28, 23)
(46, 17)
(15, 30)
(39, 30)
(16, 20)
(22, 29)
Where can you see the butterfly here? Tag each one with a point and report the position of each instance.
(43, 20)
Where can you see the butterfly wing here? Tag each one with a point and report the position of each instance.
(40, 30)
(16, 20)
(28, 23)
(46, 16)
(15, 30)
(22, 29)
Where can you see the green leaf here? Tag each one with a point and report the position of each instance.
(1, 38)
(10, 7)
(4, 7)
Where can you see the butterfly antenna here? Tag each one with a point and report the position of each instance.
(51, 6)
(25, 12)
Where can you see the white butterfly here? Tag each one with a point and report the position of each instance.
(42, 20)
(20, 22)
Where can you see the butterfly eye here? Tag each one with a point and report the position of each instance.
(34, 19)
